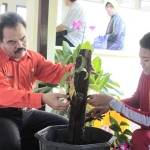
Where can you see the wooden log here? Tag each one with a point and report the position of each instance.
(79, 99)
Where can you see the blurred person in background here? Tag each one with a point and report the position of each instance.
(71, 29)
(115, 33)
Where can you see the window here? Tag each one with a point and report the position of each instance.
(135, 20)
(22, 11)
(3, 8)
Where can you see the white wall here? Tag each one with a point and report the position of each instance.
(124, 67)
(52, 21)
(32, 23)
(12, 4)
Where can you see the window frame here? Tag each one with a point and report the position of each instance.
(6, 7)
(21, 6)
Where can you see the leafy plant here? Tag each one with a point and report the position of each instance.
(66, 55)
(99, 80)
(121, 134)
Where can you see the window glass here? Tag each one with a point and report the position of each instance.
(135, 20)
(22, 11)
(3, 8)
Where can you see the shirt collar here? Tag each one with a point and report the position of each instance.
(28, 54)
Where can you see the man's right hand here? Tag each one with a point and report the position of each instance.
(55, 100)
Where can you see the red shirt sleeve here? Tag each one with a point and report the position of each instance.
(10, 97)
(47, 71)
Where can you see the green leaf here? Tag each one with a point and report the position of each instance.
(103, 81)
(108, 85)
(59, 56)
(96, 64)
(94, 87)
(69, 60)
(66, 48)
(127, 132)
(87, 45)
(45, 89)
(122, 138)
(76, 53)
(113, 121)
(64, 78)
(114, 83)
(123, 123)
(92, 79)
(115, 128)
(59, 52)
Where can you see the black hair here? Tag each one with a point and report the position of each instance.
(10, 19)
(145, 41)
(108, 3)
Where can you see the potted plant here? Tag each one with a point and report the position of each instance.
(76, 136)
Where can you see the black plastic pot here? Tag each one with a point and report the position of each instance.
(55, 138)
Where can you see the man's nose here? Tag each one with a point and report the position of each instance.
(19, 44)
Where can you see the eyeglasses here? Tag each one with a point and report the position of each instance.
(14, 43)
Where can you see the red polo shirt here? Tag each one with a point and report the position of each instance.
(17, 78)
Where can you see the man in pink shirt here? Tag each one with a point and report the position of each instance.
(19, 69)
(136, 108)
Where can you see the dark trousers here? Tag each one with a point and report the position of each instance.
(17, 127)
(60, 38)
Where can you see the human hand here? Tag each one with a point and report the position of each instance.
(55, 100)
(97, 100)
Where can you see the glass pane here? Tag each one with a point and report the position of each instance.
(22, 11)
(3, 8)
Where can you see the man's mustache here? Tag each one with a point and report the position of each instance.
(20, 49)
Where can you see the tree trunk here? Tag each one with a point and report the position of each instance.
(79, 99)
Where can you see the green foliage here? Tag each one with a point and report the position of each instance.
(44, 87)
(66, 55)
(86, 45)
(99, 80)
(122, 135)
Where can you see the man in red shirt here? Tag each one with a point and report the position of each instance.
(19, 68)
(136, 108)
